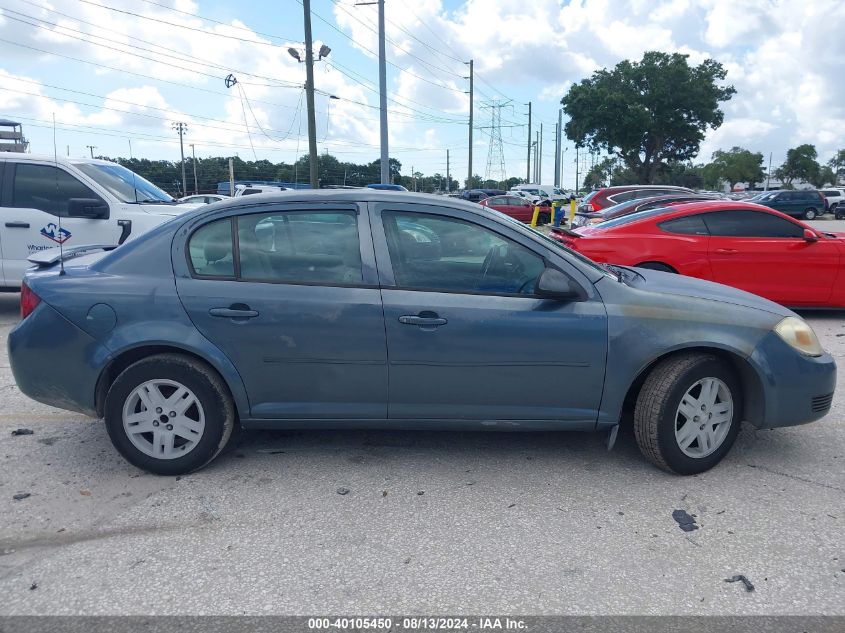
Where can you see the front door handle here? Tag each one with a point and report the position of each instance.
(727, 251)
(17, 225)
(237, 311)
(423, 321)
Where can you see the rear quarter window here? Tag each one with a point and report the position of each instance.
(688, 225)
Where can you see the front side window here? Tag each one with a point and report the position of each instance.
(46, 188)
(750, 224)
(301, 247)
(438, 253)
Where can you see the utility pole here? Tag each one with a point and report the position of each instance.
(576, 169)
(181, 128)
(309, 95)
(414, 177)
(382, 87)
(448, 177)
(557, 147)
(536, 157)
(528, 159)
(130, 147)
(194, 162)
(91, 148)
(469, 169)
(768, 172)
(540, 157)
(231, 177)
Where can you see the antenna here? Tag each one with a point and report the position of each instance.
(58, 210)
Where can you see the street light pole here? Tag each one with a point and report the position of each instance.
(469, 168)
(194, 163)
(309, 95)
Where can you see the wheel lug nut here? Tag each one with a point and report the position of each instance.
(158, 409)
(170, 427)
(172, 414)
(155, 423)
(696, 419)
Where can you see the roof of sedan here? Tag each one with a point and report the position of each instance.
(348, 195)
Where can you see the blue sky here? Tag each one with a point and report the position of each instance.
(140, 74)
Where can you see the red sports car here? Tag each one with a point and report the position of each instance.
(516, 207)
(740, 244)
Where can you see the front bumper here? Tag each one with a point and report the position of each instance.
(55, 362)
(797, 389)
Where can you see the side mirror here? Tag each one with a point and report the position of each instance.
(810, 235)
(553, 284)
(91, 208)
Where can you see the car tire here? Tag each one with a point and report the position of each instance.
(657, 266)
(810, 214)
(679, 386)
(544, 218)
(191, 395)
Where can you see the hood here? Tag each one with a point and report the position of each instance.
(168, 210)
(683, 286)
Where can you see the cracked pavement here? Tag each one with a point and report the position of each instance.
(437, 523)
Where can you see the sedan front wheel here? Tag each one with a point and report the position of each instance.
(688, 413)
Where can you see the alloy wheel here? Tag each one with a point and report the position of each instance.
(704, 417)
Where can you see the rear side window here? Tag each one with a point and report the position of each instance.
(750, 224)
(249, 192)
(689, 225)
(210, 250)
(46, 188)
(301, 247)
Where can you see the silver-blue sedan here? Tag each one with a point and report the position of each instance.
(360, 308)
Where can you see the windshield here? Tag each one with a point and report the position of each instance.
(554, 244)
(125, 185)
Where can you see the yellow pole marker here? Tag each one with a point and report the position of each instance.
(572, 206)
(535, 216)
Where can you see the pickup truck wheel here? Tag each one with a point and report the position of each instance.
(169, 414)
(810, 214)
(688, 413)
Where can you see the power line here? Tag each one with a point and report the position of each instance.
(180, 26)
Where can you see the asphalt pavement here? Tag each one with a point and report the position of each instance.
(436, 523)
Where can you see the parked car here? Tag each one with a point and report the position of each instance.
(741, 244)
(475, 195)
(516, 207)
(399, 312)
(608, 196)
(386, 187)
(250, 190)
(206, 198)
(834, 197)
(583, 218)
(47, 202)
(806, 203)
(546, 192)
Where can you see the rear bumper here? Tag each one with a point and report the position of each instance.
(797, 389)
(55, 362)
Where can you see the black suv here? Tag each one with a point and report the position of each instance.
(807, 203)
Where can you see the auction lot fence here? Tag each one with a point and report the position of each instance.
(417, 623)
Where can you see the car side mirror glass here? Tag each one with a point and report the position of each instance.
(553, 284)
(810, 235)
(91, 208)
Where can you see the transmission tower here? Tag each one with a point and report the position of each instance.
(496, 169)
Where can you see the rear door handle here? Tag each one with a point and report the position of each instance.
(233, 313)
(422, 321)
(727, 251)
(17, 225)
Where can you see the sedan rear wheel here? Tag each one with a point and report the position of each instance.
(688, 413)
(169, 414)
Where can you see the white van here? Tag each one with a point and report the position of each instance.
(249, 190)
(99, 202)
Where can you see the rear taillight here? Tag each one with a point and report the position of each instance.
(29, 301)
(596, 205)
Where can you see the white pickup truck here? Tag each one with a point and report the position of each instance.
(99, 202)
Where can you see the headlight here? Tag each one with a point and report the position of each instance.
(800, 336)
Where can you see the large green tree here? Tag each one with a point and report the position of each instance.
(648, 113)
(739, 165)
(837, 164)
(800, 164)
(824, 176)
